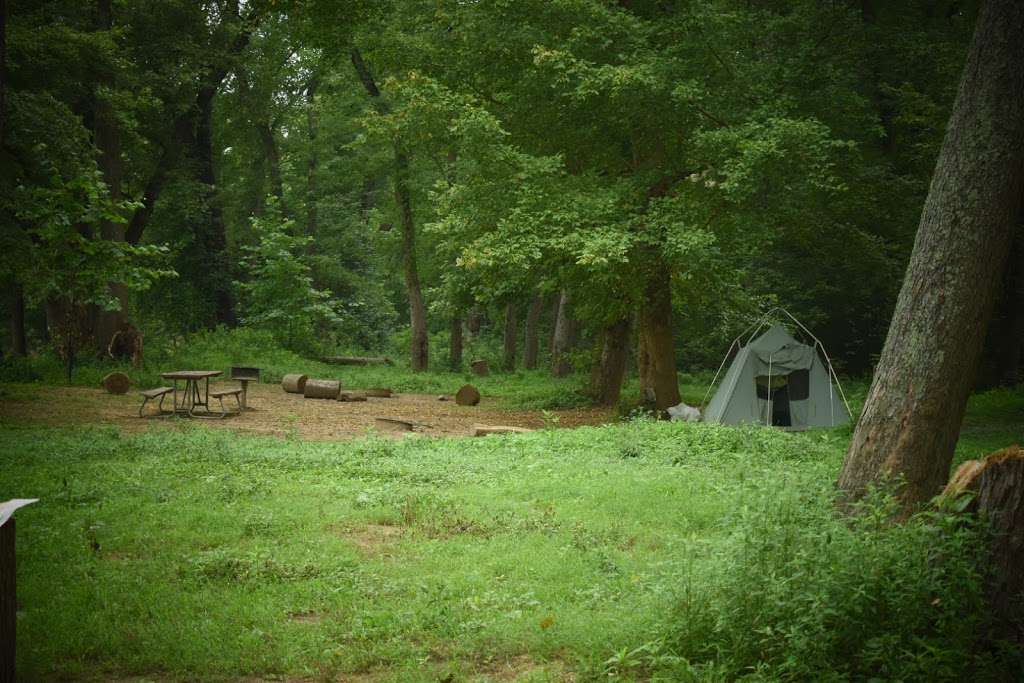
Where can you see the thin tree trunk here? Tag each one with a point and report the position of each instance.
(473, 322)
(17, 320)
(510, 336)
(914, 408)
(419, 351)
(455, 345)
(532, 350)
(313, 131)
(562, 337)
(658, 353)
(611, 368)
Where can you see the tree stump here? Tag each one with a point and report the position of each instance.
(322, 388)
(378, 392)
(998, 485)
(294, 383)
(352, 396)
(116, 383)
(480, 367)
(467, 395)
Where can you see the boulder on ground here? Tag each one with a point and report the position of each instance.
(116, 383)
(683, 413)
(467, 395)
(294, 383)
(484, 430)
(322, 388)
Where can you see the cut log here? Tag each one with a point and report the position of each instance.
(480, 367)
(484, 430)
(294, 383)
(378, 392)
(352, 396)
(390, 424)
(322, 388)
(467, 395)
(116, 383)
(997, 483)
(357, 360)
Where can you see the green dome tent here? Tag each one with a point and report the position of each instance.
(776, 380)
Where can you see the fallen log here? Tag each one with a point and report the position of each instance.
(996, 484)
(358, 360)
(467, 395)
(484, 430)
(391, 424)
(116, 383)
(294, 383)
(352, 396)
(378, 392)
(322, 388)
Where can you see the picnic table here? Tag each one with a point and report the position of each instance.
(193, 397)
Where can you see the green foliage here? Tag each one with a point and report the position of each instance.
(278, 294)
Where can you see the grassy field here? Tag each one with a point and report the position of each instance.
(643, 550)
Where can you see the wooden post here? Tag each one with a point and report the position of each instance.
(8, 603)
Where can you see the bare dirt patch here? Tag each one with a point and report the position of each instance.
(371, 539)
(276, 413)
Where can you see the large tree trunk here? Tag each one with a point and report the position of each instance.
(532, 350)
(107, 138)
(213, 237)
(455, 345)
(419, 352)
(562, 337)
(658, 378)
(509, 362)
(611, 369)
(912, 416)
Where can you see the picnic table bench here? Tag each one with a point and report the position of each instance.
(151, 394)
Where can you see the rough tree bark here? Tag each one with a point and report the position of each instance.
(455, 345)
(532, 350)
(419, 351)
(659, 381)
(562, 337)
(509, 360)
(107, 138)
(611, 369)
(917, 399)
(474, 321)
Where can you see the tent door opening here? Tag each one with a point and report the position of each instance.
(780, 408)
(775, 392)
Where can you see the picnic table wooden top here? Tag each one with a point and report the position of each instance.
(190, 374)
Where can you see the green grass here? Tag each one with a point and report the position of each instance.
(640, 550)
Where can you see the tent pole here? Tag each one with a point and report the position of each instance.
(712, 385)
